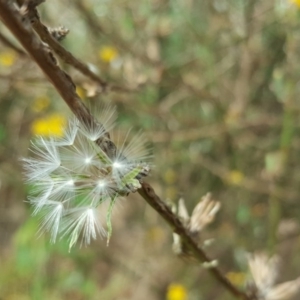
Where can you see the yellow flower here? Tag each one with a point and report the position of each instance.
(234, 177)
(40, 103)
(52, 125)
(7, 58)
(296, 2)
(176, 292)
(171, 193)
(236, 278)
(170, 176)
(108, 54)
(80, 92)
(155, 235)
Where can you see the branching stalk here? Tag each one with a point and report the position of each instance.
(63, 83)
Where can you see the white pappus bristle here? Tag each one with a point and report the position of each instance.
(71, 176)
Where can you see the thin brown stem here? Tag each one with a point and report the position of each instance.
(148, 193)
(67, 56)
(63, 83)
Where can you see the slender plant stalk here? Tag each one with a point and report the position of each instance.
(67, 56)
(148, 193)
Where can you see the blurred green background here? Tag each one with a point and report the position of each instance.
(216, 92)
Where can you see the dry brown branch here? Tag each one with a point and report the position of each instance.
(158, 205)
(67, 56)
(63, 83)
(46, 61)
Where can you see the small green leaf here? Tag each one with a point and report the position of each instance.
(134, 183)
(108, 218)
(128, 178)
(73, 239)
(101, 154)
(103, 157)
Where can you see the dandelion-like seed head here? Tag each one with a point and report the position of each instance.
(101, 183)
(264, 271)
(117, 165)
(87, 160)
(70, 182)
(72, 176)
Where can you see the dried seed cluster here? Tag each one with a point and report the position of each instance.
(72, 176)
